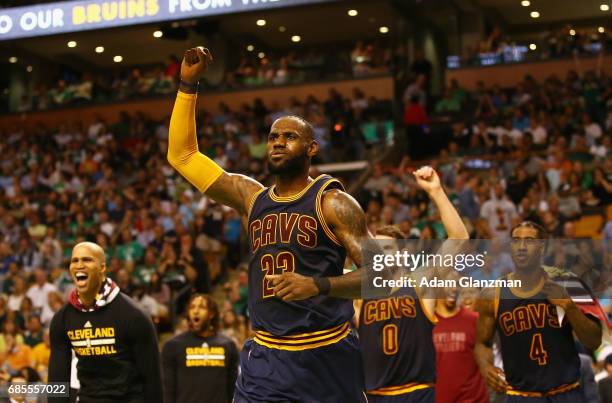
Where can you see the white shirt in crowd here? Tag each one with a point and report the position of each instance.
(14, 302)
(514, 134)
(39, 296)
(500, 215)
(539, 135)
(593, 131)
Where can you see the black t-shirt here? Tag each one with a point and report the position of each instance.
(117, 351)
(199, 369)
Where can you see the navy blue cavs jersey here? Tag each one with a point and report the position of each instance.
(289, 234)
(539, 353)
(396, 342)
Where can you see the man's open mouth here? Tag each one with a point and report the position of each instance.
(81, 279)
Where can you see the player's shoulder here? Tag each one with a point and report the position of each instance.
(338, 205)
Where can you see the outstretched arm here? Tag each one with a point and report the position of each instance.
(233, 190)
(428, 180)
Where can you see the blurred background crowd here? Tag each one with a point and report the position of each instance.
(534, 149)
(254, 69)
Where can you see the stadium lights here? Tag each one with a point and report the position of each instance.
(383, 30)
(535, 14)
(250, 48)
(99, 49)
(525, 3)
(118, 59)
(29, 69)
(296, 38)
(532, 46)
(352, 13)
(158, 34)
(72, 44)
(261, 23)
(261, 55)
(282, 28)
(604, 7)
(601, 30)
(12, 59)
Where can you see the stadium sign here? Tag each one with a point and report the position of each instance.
(81, 15)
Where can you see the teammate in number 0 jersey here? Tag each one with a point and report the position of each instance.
(396, 332)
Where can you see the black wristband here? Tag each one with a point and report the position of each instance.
(322, 284)
(191, 86)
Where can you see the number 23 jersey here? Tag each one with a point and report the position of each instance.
(289, 234)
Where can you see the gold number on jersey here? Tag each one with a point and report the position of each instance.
(389, 339)
(537, 352)
(284, 261)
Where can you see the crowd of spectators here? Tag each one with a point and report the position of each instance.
(497, 47)
(110, 182)
(253, 69)
(538, 151)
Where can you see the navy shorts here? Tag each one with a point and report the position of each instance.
(329, 374)
(572, 396)
(427, 395)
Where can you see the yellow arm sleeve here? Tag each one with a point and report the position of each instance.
(183, 153)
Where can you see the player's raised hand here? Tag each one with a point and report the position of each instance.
(195, 63)
(292, 286)
(427, 178)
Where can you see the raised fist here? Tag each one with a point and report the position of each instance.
(427, 178)
(195, 63)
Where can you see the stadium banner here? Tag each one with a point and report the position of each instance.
(81, 15)
(580, 269)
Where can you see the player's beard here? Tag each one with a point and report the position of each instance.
(289, 166)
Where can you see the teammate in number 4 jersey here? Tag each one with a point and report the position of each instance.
(540, 359)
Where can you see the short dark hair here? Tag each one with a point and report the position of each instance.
(212, 307)
(542, 233)
(309, 130)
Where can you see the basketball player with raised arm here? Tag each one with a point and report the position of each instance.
(300, 231)
(397, 345)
